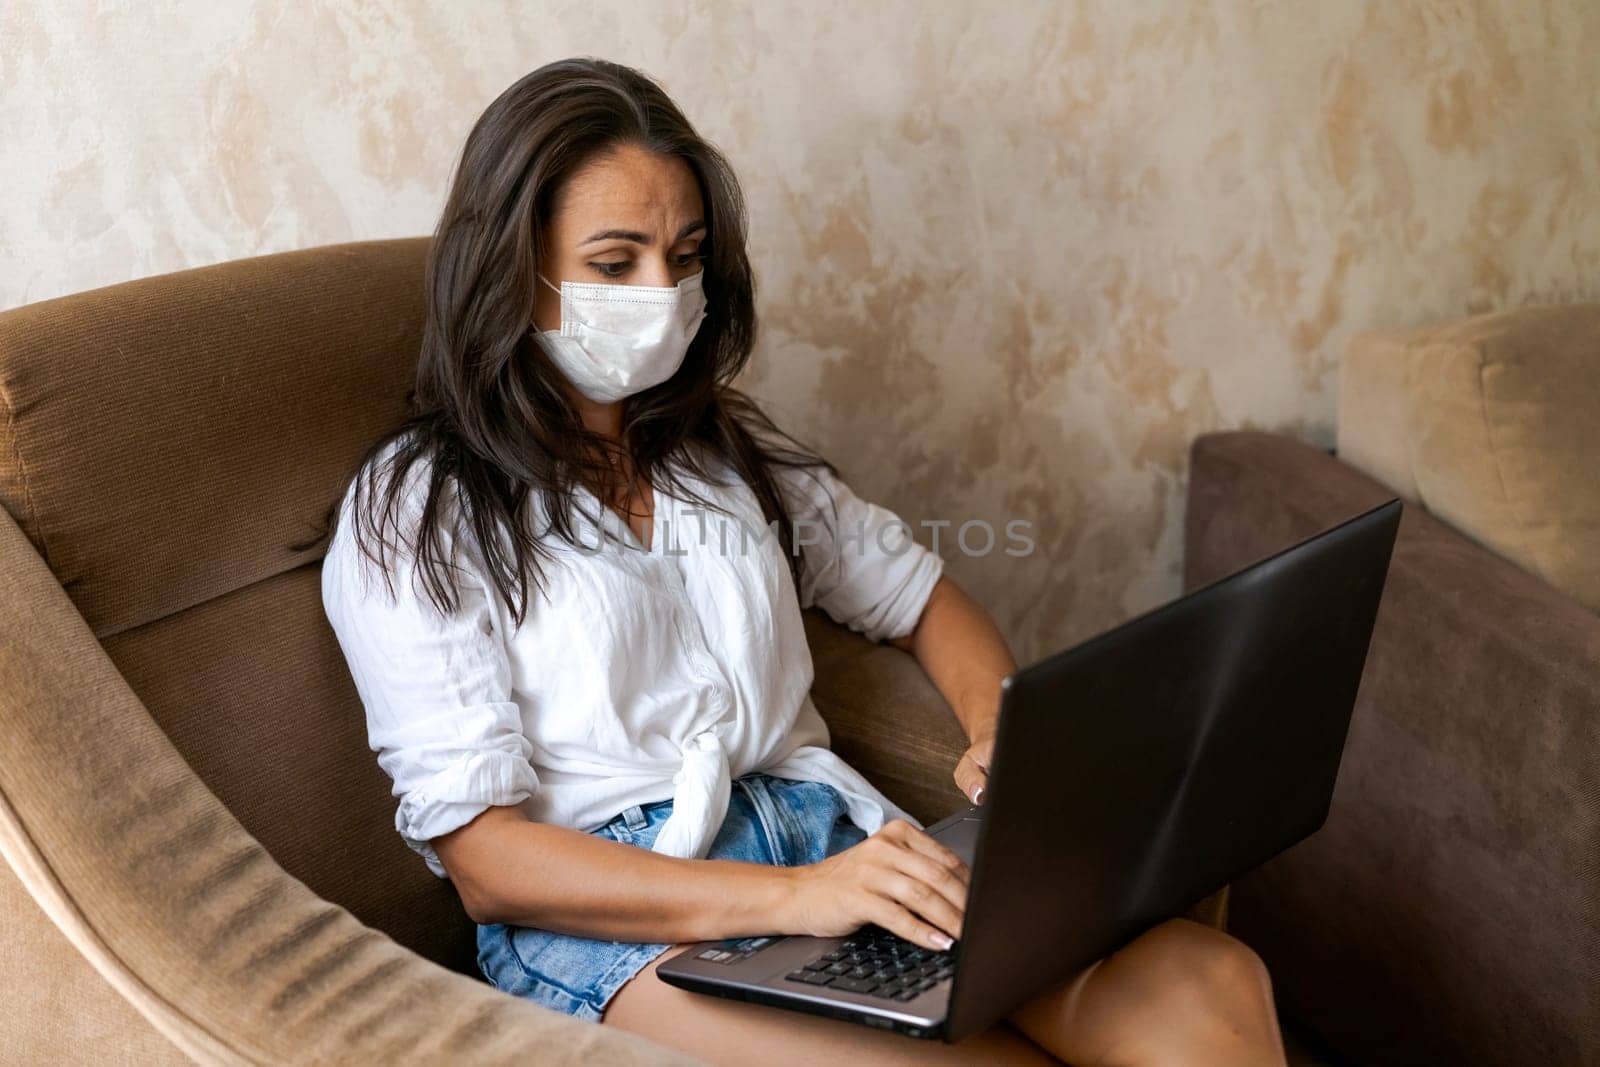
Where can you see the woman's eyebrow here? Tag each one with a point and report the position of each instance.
(643, 239)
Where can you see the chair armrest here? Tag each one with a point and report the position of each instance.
(1447, 910)
(183, 912)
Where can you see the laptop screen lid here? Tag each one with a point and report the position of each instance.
(1146, 768)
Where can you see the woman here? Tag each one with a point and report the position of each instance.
(581, 653)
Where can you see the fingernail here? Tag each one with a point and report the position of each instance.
(943, 941)
(977, 795)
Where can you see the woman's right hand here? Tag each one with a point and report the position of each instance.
(899, 878)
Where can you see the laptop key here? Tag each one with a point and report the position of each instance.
(853, 985)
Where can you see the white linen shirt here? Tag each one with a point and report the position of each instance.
(638, 675)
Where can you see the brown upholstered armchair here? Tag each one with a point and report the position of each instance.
(200, 859)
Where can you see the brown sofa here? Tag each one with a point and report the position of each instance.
(200, 859)
(1449, 911)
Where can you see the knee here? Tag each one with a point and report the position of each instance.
(1213, 977)
(1180, 992)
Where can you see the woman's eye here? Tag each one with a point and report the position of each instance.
(617, 270)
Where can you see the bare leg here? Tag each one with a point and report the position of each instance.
(735, 1032)
(1180, 993)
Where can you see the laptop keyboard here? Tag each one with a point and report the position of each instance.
(880, 964)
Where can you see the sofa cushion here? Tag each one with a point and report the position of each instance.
(1493, 424)
(164, 441)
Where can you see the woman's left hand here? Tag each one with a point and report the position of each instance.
(972, 770)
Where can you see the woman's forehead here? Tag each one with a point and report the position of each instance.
(629, 189)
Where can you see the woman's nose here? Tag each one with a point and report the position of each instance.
(656, 272)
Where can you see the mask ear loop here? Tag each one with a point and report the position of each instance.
(533, 327)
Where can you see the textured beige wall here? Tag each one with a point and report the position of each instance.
(1013, 258)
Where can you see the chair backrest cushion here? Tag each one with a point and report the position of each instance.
(164, 441)
(167, 438)
(1493, 424)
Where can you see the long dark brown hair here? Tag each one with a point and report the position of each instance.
(488, 410)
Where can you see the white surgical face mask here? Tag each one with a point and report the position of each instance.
(616, 340)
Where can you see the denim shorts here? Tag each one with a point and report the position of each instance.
(770, 820)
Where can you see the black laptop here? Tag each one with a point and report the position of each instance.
(1132, 776)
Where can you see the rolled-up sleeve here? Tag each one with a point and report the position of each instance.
(860, 563)
(436, 688)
